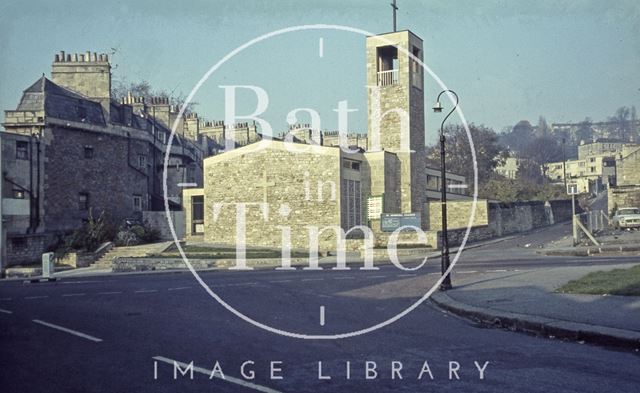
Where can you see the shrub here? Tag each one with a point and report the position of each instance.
(136, 234)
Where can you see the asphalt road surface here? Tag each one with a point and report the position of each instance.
(122, 333)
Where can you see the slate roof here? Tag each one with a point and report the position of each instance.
(60, 103)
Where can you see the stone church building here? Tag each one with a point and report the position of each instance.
(305, 185)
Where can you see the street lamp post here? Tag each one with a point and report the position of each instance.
(445, 262)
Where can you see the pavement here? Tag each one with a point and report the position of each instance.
(527, 301)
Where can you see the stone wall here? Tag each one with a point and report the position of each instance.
(255, 172)
(111, 177)
(623, 196)
(25, 249)
(629, 170)
(158, 220)
(458, 214)
(509, 218)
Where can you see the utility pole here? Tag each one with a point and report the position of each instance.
(564, 165)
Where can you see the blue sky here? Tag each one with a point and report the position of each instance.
(508, 60)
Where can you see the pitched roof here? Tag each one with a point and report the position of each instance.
(60, 103)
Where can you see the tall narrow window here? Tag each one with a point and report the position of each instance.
(416, 69)
(197, 213)
(351, 204)
(137, 202)
(88, 152)
(83, 201)
(142, 160)
(22, 150)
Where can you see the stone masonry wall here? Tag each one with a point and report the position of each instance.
(239, 176)
(111, 178)
(458, 213)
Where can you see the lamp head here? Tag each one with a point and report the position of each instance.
(437, 107)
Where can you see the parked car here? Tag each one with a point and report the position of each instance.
(626, 217)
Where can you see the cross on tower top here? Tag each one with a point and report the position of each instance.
(395, 8)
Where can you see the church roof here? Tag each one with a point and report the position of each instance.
(273, 144)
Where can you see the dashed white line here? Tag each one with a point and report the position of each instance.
(406, 275)
(377, 276)
(208, 373)
(73, 294)
(5, 311)
(67, 330)
(5, 298)
(497, 271)
(344, 278)
(467, 271)
(36, 297)
(312, 279)
(321, 315)
(277, 281)
(178, 288)
(110, 293)
(242, 284)
(79, 282)
(146, 291)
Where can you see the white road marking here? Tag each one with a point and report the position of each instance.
(6, 311)
(406, 275)
(281, 281)
(377, 276)
(321, 47)
(321, 315)
(36, 297)
(312, 279)
(497, 271)
(344, 278)
(178, 288)
(73, 294)
(79, 282)
(5, 298)
(66, 330)
(468, 271)
(146, 291)
(110, 293)
(226, 377)
(242, 284)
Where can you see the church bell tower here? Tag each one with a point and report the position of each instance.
(396, 110)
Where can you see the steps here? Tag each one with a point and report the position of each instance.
(106, 261)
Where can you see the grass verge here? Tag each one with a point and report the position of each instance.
(623, 282)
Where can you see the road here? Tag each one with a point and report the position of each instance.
(121, 333)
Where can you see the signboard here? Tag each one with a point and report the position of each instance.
(391, 222)
(374, 207)
(572, 189)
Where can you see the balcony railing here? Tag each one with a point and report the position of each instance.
(387, 78)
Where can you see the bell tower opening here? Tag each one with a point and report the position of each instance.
(387, 65)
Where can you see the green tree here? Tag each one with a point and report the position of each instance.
(121, 88)
(459, 158)
(543, 150)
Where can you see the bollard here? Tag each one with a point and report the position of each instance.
(48, 267)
